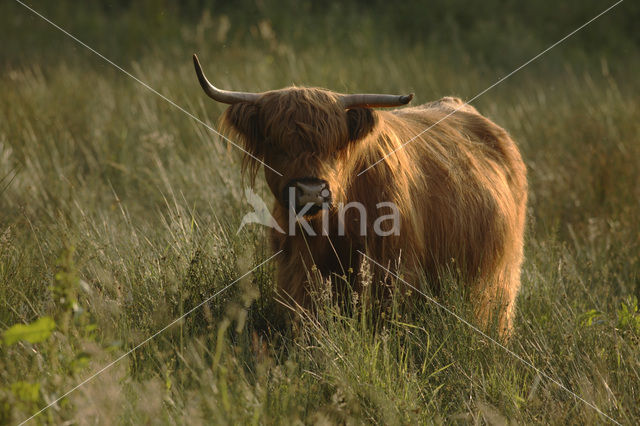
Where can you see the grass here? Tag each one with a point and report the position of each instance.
(119, 214)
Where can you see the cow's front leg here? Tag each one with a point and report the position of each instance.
(292, 282)
(294, 269)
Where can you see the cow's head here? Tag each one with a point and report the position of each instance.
(305, 134)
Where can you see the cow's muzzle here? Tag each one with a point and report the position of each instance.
(307, 196)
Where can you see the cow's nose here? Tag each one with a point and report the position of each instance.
(314, 194)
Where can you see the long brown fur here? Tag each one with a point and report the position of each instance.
(460, 187)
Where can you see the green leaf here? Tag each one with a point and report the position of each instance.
(25, 391)
(37, 331)
(80, 361)
(587, 319)
(628, 315)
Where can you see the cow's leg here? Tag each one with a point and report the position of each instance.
(303, 264)
(512, 273)
(290, 272)
(494, 297)
(292, 282)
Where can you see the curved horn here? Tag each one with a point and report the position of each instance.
(375, 101)
(224, 96)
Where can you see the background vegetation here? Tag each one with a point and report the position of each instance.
(118, 213)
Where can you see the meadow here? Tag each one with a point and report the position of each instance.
(118, 214)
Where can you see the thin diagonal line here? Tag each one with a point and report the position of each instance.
(121, 357)
(509, 351)
(148, 87)
(494, 85)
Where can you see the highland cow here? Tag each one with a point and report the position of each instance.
(460, 188)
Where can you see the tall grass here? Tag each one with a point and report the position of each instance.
(118, 213)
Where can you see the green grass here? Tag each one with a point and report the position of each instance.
(118, 213)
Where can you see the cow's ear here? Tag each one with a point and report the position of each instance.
(361, 122)
(244, 119)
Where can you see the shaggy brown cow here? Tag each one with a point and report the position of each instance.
(460, 188)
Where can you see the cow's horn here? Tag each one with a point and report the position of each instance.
(224, 96)
(373, 101)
